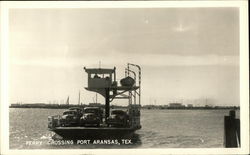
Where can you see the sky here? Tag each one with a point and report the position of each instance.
(188, 55)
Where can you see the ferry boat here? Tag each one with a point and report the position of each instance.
(103, 81)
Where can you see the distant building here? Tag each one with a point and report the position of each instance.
(176, 105)
(95, 104)
(190, 105)
(208, 106)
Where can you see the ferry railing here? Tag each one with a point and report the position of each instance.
(139, 75)
(131, 94)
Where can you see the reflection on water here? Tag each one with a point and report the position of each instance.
(160, 129)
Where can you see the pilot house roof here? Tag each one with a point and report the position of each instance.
(99, 70)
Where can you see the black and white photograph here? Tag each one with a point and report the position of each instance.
(134, 77)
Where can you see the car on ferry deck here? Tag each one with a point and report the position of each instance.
(70, 118)
(118, 118)
(92, 116)
(78, 110)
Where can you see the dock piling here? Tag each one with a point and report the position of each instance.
(231, 130)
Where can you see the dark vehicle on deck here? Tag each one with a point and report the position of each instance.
(118, 118)
(70, 118)
(91, 116)
(78, 110)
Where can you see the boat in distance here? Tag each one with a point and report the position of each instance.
(96, 122)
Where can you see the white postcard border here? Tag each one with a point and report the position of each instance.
(244, 72)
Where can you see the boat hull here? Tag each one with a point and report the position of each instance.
(93, 132)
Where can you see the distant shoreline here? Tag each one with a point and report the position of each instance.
(146, 107)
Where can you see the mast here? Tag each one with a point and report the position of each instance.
(95, 97)
(67, 102)
(79, 98)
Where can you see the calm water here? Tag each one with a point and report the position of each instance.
(160, 129)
